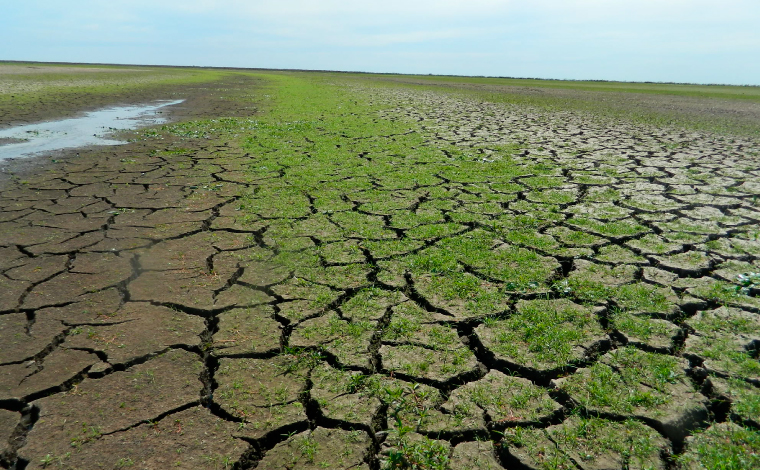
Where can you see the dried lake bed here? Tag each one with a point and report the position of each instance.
(375, 276)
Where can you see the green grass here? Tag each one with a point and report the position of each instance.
(609, 229)
(636, 297)
(591, 441)
(423, 454)
(543, 334)
(642, 328)
(627, 382)
(744, 397)
(728, 355)
(723, 447)
(399, 242)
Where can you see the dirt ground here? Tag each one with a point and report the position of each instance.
(731, 112)
(16, 69)
(34, 362)
(202, 101)
(139, 326)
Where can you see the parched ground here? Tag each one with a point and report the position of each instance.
(486, 287)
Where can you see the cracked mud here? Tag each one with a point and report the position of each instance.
(519, 289)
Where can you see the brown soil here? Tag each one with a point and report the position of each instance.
(729, 111)
(17, 69)
(76, 301)
(202, 101)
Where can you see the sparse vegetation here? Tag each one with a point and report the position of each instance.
(381, 271)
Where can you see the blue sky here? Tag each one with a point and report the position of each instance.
(695, 41)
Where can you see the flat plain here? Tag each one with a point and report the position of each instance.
(349, 271)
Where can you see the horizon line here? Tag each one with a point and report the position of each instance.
(371, 73)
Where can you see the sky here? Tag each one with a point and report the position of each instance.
(685, 41)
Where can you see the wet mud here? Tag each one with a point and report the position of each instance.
(92, 129)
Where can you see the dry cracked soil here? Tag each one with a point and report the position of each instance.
(144, 325)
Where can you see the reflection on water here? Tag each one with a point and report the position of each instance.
(90, 129)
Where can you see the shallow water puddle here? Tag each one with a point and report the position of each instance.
(91, 129)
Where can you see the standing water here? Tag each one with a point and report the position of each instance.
(90, 129)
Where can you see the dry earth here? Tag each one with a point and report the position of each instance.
(141, 326)
(14, 69)
(733, 112)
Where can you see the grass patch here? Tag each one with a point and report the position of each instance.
(590, 441)
(543, 334)
(724, 446)
(628, 381)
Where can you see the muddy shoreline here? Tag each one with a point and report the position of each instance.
(202, 101)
